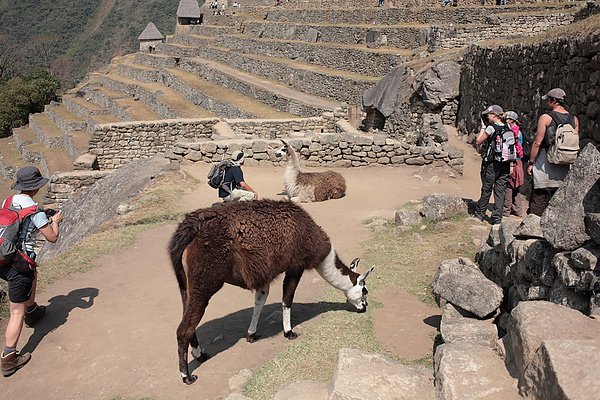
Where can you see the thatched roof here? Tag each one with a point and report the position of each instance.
(188, 9)
(151, 33)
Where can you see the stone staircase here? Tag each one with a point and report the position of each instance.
(298, 59)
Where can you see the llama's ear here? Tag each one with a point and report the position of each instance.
(354, 264)
(284, 143)
(364, 275)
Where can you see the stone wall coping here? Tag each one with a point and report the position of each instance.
(160, 122)
(82, 173)
(254, 121)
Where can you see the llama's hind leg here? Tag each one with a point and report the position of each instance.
(260, 297)
(290, 283)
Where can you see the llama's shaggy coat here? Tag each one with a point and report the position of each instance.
(310, 186)
(248, 245)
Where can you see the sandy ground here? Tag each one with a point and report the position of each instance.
(111, 331)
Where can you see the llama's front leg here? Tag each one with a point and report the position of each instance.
(290, 283)
(260, 297)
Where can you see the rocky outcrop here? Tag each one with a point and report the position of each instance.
(439, 206)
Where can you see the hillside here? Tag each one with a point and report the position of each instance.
(72, 37)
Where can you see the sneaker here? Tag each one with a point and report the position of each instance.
(13, 361)
(33, 316)
(477, 216)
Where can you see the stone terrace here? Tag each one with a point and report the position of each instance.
(299, 59)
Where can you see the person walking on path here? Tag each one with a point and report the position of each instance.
(516, 179)
(547, 177)
(22, 281)
(236, 187)
(494, 173)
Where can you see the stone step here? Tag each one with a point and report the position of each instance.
(335, 59)
(24, 136)
(406, 36)
(319, 81)
(76, 143)
(164, 101)
(66, 120)
(82, 107)
(213, 97)
(51, 160)
(280, 97)
(10, 158)
(47, 132)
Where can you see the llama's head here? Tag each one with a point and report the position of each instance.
(283, 151)
(357, 295)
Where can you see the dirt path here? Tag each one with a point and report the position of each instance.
(111, 331)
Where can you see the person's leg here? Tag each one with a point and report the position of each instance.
(502, 172)
(516, 204)
(508, 197)
(19, 293)
(487, 182)
(538, 201)
(15, 324)
(240, 195)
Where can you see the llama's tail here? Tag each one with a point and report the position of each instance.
(183, 236)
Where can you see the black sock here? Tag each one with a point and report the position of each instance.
(31, 308)
(8, 350)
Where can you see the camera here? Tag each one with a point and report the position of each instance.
(50, 212)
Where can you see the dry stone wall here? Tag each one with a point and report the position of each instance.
(63, 185)
(529, 71)
(451, 37)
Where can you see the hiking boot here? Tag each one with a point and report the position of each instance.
(13, 361)
(33, 316)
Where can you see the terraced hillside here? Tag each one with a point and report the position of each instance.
(262, 61)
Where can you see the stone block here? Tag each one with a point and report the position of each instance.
(456, 328)
(530, 228)
(532, 322)
(563, 221)
(564, 369)
(461, 283)
(406, 217)
(565, 296)
(439, 206)
(469, 371)
(360, 375)
(586, 257)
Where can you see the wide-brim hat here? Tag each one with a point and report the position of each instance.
(512, 115)
(237, 156)
(29, 178)
(493, 109)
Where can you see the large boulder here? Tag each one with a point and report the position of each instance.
(564, 370)
(363, 376)
(563, 221)
(533, 262)
(439, 206)
(461, 283)
(533, 322)
(530, 228)
(470, 371)
(439, 84)
(86, 214)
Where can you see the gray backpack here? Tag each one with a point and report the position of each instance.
(563, 141)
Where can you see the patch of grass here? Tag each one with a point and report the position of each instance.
(406, 260)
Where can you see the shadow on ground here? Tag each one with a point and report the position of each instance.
(57, 313)
(222, 333)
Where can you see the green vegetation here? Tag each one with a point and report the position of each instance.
(69, 37)
(20, 97)
(406, 260)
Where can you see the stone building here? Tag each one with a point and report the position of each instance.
(150, 37)
(188, 13)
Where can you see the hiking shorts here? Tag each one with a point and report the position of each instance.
(19, 284)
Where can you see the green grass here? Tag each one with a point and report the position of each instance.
(401, 260)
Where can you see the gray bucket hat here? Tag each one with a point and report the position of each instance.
(29, 178)
(512, 115)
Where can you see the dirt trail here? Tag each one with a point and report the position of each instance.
(111, 331)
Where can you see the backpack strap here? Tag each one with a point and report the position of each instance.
(7, 202)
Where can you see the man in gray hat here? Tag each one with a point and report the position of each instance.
(235, 187)
(22, 282)
(547, 177)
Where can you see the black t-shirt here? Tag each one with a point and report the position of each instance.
(233, 177)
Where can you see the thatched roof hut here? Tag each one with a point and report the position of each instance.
(151, 33)
(188, 9)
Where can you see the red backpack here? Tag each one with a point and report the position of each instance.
(10, 227)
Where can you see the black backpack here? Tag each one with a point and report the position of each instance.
(216, 175)
(501, 145)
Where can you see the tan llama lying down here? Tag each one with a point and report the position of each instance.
(307, 187)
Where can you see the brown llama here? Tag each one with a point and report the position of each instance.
(306, 187)
(248, 245)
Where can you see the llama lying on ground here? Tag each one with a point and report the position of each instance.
(309, 186)
(248, 245)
